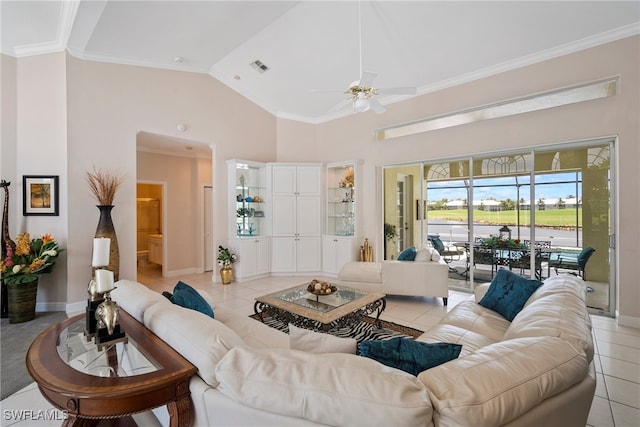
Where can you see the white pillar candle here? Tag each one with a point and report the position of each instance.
(101, 247)
(104, 280)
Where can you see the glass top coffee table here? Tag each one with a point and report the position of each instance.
(344, 307)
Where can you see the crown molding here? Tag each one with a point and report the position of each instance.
(68, 12)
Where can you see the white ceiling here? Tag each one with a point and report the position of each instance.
(311, 45)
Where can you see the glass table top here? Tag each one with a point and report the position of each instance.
(115, 360)
(321, 303)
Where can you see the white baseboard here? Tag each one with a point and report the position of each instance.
(50, 306)
(632, 322)
(175, 273)
(76, 307)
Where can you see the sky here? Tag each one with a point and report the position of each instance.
(549, 187)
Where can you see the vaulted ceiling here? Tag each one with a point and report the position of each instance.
(308, 45)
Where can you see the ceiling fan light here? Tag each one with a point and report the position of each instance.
(360, 105)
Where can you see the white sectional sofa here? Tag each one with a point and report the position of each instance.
(534, 371)
(427, 275)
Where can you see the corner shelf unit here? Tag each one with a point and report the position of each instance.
(343, 230)
(342, 218)
(249, 196)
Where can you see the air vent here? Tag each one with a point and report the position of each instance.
(259, 66)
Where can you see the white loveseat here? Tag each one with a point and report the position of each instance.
(534, 371)
(426, 276)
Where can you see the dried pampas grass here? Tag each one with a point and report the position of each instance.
(103, 185)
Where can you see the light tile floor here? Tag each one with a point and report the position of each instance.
(617, 348)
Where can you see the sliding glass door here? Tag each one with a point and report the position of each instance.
(551, 206)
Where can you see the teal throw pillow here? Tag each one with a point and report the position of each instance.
(408, 355)
(408, 254)
(185, 296)
(508, 293)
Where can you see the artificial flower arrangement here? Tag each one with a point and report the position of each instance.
(31, 259)
(225, 257)
(496, 242)
(347, 180)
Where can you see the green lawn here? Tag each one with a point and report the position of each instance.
(550, 218)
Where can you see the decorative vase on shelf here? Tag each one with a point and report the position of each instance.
(106, 229)
(226, 274)
(22, 301)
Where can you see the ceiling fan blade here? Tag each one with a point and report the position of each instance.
(397, 91)
(342, 104)
(327, 91)
(367, 78)
(376, 106)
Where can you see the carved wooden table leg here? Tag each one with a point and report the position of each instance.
(180, 412)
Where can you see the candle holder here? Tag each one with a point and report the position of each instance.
(98, 285)
(108, 328)
(94, 300)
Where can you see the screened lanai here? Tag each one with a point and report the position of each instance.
(559, 198)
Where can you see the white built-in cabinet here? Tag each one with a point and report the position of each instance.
(336, 251)
(249, 218)
(342, 233)
(154, 243)
(297, 218)
(254, 257)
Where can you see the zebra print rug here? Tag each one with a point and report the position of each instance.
(365, 330)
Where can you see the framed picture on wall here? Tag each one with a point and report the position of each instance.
(40, 195)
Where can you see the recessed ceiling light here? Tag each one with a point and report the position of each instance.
(236, 77)
(178, 59)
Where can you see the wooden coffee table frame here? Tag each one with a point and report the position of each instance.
(88, 398)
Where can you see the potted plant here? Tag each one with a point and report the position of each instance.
(390, 234)
(226, 259)
(21, 270)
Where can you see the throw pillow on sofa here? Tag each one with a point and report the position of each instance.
(408, 355)
(187, 297)
(316, 342)
(508, 293)
(408, 254)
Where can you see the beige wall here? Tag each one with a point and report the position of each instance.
(8, 129)
(38, 120)
(184, 180)
(352, 137)
(107, 104)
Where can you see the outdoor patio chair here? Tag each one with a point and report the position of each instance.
(449, 254)
(576, 262)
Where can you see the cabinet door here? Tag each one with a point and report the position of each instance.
(308, 254)
(309, 180)
(263, 249)
(247, 258)
(284, 215)
(345, 252)
(283, 179)
(309, 216)
(283, 254)
(336, 252)
(329, 245)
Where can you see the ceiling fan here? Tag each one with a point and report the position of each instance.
(361, 93)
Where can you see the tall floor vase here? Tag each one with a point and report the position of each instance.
(22, 301)
(106, 229)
